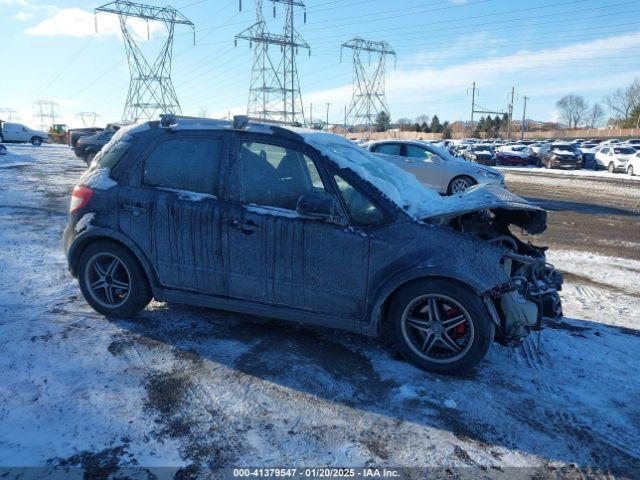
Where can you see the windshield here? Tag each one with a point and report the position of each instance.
(399, 186)
(563, 148)
(624, 151)
(518, 148)
(481, 148)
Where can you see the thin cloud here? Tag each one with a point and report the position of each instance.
(75, 22)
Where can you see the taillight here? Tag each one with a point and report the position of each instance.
(80, 197)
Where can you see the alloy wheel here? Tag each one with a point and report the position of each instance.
(437, 328)
(460, 185)
(108, 280)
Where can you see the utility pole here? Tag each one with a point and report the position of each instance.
(328, 105)
(513, 91)
(311, 115)
(524, 117)
(345, 119)
(151, 90)
(473, 102)
(369, 97)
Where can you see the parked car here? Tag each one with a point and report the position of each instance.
(534, 149)
(614, 158)
(480, 153)
(588, 151)
(303, 225)
(435, 167)
(76, 133)
(17, 133)
(633, 165)
(512, 155)
(88, 146)
(635, 143)
(560, 155)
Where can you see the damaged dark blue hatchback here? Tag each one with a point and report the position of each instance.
(305, 226)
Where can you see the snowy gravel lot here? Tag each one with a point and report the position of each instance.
(197, 389)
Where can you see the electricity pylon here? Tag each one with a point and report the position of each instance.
(369, 97)
(151, 90)
(88, 118)
(274, 93)
(46, 111)
(12, 114)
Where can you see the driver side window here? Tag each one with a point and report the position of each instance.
(362, 210)
(275, 176)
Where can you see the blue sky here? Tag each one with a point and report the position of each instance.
(545, 48)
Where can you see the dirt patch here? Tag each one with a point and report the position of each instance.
(96, 465)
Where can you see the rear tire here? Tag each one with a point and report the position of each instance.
(415, 335)
(630, 170)
(112, 280)
(36, 141)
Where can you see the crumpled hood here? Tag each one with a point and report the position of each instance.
(510, 207)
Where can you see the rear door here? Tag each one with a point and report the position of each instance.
(175, 214)
(277, 257)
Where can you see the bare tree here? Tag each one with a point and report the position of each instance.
(624, 100)
(573, 110)
(405, 123)
(596, 115)
(423, 119)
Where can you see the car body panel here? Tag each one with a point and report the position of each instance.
(17, 133)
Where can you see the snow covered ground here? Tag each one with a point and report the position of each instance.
(197, 389)
(582, 173)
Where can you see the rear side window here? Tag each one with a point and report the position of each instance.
(418, 152)
(108, 158)
(388, 149)
(190, 164)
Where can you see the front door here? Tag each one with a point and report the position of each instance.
(278, 257)
(426, 166)
(175, 216)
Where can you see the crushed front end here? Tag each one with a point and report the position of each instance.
(530, 296)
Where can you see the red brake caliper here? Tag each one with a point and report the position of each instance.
(461, 330)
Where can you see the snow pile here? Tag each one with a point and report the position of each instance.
(98, 178)
(84, 222)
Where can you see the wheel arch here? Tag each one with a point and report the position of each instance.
(378, 315)
(93, 235)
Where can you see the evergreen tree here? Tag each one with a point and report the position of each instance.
(417, 128)
(383, 120)
(436, 126)
(425, 127)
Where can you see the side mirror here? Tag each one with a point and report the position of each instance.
(320, 206)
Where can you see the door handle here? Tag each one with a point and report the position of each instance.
(248, 227)
(136, 209)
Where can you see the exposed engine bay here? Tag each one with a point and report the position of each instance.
(531, 294)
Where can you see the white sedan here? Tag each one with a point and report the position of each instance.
(615, 158)
(435, 167)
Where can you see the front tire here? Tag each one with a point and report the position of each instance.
(630, 170)
(440, 326)
(460, 184)
(612, 168)
(112, 280)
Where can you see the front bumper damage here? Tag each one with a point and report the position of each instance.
(530, 295)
